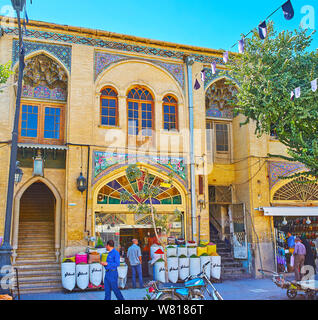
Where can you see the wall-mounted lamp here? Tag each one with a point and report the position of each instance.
(38, 165)
(81, 183)
(18, 174)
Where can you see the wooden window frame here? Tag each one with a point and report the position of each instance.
(173, 104)
(140, 119)
(41, 122)
(104, 97)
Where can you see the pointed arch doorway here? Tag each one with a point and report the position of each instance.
(37, 219)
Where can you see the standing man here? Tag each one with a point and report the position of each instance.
(135, 260)
(299, 254)
(111, 276)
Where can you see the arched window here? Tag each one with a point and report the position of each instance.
(109, 107)
(140, 112)
(170, 113)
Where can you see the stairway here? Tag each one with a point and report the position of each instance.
(36, 263)
(232, 269)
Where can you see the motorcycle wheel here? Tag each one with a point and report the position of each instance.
(168, 296)
(291, 294)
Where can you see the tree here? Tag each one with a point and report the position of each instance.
(5, 72)
(146, 194)
(267, 73)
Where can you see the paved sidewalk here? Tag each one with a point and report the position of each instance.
(247, 289)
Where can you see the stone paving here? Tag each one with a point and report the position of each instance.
(247, 289)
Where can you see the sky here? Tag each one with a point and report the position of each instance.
(205, 23)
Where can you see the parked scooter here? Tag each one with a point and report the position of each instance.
(194, 288)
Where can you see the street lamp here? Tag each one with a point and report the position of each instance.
(18, 5)
(6, 249)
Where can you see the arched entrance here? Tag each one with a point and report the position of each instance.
(113, 219)
(37, 224)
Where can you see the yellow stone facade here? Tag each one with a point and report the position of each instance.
(246, 172)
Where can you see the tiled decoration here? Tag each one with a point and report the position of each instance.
(60, 52)
(279, 169)
(44, 78)
(220, 100)
(120, 46)
(210, 77)
(105, 60)
(105, 162)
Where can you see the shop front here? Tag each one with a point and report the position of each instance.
(297, 222)
(114, 221)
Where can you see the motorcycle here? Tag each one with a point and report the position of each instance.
(194, 288)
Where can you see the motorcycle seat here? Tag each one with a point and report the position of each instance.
(169, 285)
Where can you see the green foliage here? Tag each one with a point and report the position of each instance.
(5, 72)
(267, 73)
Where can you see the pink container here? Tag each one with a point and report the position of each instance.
(81, 258)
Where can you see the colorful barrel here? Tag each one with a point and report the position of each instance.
(201, 250)
(160, 271)
(211, 249)
(195, 266)
(68, 272)
(81, 258)
(191, 251)
(82, 276)
(171, 251)
(184, 268)
(95, 274)
(216, 267)
(182, 251)
(173, 269)
(206, 265)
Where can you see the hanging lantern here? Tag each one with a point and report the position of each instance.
(284, 221)
(308, 221)
(81, 183)
(38, 165)
(18, 173)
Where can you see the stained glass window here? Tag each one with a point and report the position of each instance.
(109, 107)
(170, 113)
(110, 193)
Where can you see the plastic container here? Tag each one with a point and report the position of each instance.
(184, 268)
(173, 269)
(171, 251)
(94, 257)
(104, 257)
(160, 271)
(191, 251)
(207, 268)
(182, 251)
(122, 275)
(216, 267)
(68, 273)
(211, 249)
(81, 258)
(82, 276)
(195, 266)
(201, 250)
(95, 274)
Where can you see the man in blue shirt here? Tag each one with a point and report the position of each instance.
(111, 276)
(135, 260)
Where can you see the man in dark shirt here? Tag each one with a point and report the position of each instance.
(111, 276)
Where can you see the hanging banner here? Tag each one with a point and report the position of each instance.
(226, 57)
(314, 85)
(288, 10)
(241, 45)
(262, 30)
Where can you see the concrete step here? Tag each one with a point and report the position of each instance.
(32, 255)
(38, 267)
(35, 260)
